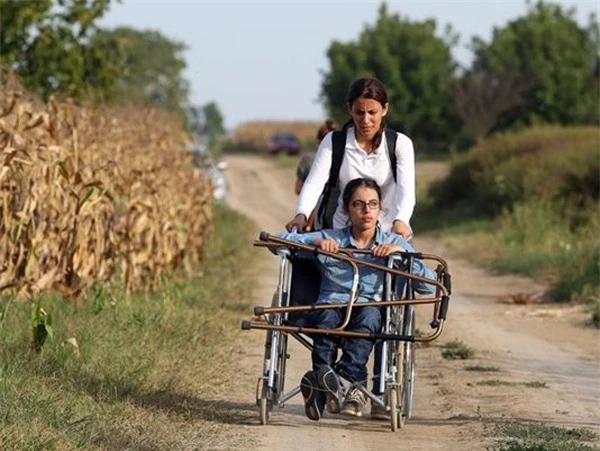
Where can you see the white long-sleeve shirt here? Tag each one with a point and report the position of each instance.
(398, 199)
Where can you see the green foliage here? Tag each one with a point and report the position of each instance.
(559, 164)
(56, 47)
(207, 121)
(152, 67)
(17, 21)
(558, 59)
(415, 66)
(52, 45)
(541, 188)
(457, 349)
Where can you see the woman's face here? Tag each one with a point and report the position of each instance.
(364, 208)
(367, 115)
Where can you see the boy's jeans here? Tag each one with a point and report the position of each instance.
(353, 364)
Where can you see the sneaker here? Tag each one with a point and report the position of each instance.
(314, 399)
(354, 403)
(334, 392)
(379, 412)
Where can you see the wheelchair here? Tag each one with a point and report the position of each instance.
(296, 294)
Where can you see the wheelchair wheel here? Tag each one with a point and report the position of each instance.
(396, 392)
(394, 408)
(264, 403)
(271, 384)
(408, 381)
(281, 364)
(408, 364)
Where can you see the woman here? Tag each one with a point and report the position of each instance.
(365, 155)
(361, 203)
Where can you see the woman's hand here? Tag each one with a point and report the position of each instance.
(327, 245)
(299, 222)
(402, 229)
(384, 250)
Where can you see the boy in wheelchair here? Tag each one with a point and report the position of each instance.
(332, 383)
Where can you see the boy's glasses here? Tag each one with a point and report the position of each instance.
(361, 204)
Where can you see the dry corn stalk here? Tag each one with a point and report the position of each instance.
(91, 194)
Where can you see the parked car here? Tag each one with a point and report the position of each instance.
(203, 160)
(283, 142)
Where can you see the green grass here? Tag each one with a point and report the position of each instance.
(482, 369)
(514, 436)
(236, 148)
(287, 162)
(498, 383)
(142, 373)
(457, 350)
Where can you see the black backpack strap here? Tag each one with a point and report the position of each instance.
(391, 137)
(338, 139)
(338, 146)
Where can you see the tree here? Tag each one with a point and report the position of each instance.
(480, 98)
(549, 49)
(152, 68)
(213, 124)
(415, 66)
(207, 122)
(52, 46)
(18, 20)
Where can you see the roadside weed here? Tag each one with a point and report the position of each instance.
(457, 350)
(514, 436)
(482, 369)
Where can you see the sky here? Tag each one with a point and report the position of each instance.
(263, 60)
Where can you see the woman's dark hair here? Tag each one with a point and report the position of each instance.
(354, 184)
(369, 88)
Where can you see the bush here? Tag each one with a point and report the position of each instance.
(559, 164)
(541, 187)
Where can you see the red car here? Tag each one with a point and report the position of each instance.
(283, 142)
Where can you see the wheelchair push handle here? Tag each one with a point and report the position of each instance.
(269, 240)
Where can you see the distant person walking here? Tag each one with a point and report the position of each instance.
(306, 161)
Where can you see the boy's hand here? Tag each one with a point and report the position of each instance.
(384, 250)
(327, 245)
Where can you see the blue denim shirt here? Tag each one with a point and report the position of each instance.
(337, 274)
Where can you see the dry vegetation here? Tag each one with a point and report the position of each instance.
(91, 195)
(257, 133)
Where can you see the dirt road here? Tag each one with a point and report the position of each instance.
(547, 347)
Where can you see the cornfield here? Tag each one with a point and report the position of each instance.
(258, 133)
(94, 194)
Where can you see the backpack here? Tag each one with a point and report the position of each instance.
(328, 201)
